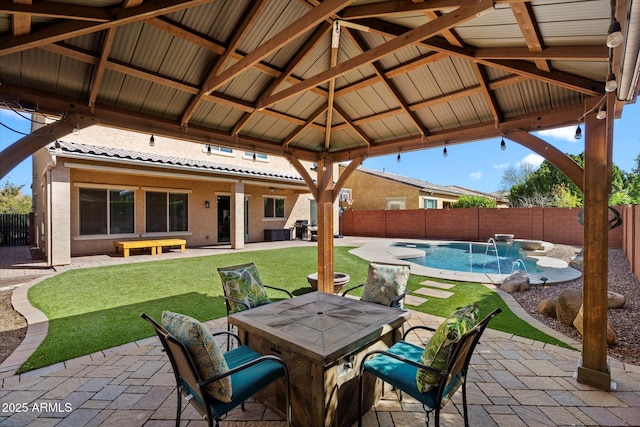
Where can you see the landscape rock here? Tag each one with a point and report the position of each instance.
(615, 300)
(568, 305)
(515, 282)
(612, 339)
(548, 307)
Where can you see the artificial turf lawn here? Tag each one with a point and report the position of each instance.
(97, 308)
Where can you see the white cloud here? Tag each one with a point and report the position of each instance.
(501, 165)
(532, 159)
(475, 175)
(566, 134)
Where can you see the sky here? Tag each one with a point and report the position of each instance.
(477, 165)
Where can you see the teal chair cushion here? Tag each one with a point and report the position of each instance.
(442, 343)
(385, 282)
(203, 349)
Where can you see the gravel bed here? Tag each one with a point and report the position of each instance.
(624, 321)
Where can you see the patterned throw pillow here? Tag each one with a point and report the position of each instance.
(203, 349)
(443, 342)
(385, 282)
(244, 284)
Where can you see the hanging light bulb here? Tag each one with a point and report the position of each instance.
(614, 35)
(578, 134)
(611, 84)
(398, 158)
(602, 112)
(208, 149)
(152, 141)
(254, 156)
(76, 129)
(503, 145)
(444, 152)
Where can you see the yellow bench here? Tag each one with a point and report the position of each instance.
(170, 242)
(155, 245)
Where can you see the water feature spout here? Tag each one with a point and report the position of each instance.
(517, 264)
(495, 249)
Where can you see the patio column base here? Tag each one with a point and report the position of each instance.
(592, 377)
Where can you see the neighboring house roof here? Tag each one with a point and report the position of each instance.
(422, 185)
(92, 152)
(471, 192)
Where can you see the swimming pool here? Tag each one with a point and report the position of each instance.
(472, 257)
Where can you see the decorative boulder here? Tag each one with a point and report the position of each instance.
(516, 281)
(615, 300)
(568, 305)
(548, 307)
(612, 339)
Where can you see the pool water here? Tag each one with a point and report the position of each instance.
(472, 257)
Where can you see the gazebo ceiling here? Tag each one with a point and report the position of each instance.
(337, 78)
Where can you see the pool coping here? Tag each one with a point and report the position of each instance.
(555, 270)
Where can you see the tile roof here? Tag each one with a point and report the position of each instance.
(92, 152)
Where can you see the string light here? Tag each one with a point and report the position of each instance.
(152, 141)
(614, 35)
(444, 150)
(578, 134)
(398, 158)
(602, 112)
(503, 145)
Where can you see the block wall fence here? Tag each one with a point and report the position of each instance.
(555, 225)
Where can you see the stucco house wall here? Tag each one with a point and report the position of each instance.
(60, 173)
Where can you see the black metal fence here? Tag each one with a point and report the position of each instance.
(14, 230)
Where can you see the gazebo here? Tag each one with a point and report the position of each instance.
(337, 81)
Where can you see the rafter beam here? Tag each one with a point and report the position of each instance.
(69, 29)
(391, 87)
(488, 94)
(571, 82)
(48, 9)
(294, 30)
(243, 26)
(21, 22)
(401, 7)
(459, 16)
(523, 12)
(98, 72)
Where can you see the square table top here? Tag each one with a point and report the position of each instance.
(323, 327)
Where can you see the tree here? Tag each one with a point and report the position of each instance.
(12, 201)
(548, 186)
(474, 202)
(513, 176)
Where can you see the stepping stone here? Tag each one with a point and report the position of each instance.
(436, 293)
(438, 285)
(414, 300)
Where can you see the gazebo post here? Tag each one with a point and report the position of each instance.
(325, 226)
(594, 369)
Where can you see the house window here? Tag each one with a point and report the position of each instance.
(273, 207)
(166, 212)
(255, 156)
(430, 203)
(209, 149)
(106, 211)
(396, 204)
